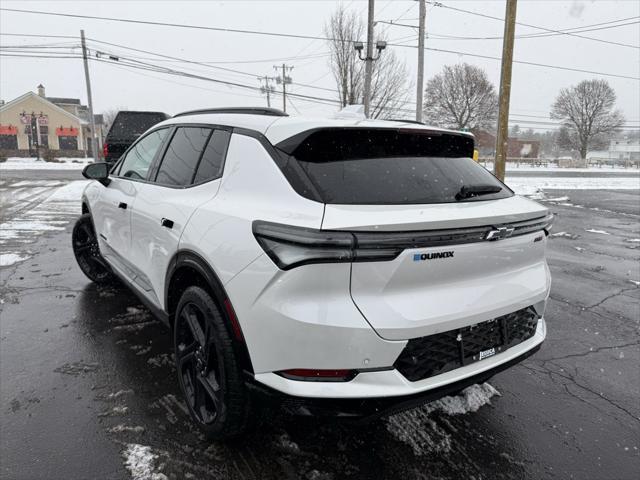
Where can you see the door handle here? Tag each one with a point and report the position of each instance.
(122, 205)
(165, 222)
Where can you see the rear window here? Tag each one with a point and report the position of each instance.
(133, 124)
(182, 156)
(385, 166)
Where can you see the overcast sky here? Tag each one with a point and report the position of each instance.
(533, 90)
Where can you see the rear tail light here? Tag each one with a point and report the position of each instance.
(291, 247)
(105, 150)
(312, 375)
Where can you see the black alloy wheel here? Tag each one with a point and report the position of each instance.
(87, 251)
(208, 372)
(198, 364)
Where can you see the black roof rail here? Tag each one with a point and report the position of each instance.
(273, 112)
(404, 120)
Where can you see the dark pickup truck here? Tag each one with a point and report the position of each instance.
(125, 129)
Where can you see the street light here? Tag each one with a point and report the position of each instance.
(359, 47)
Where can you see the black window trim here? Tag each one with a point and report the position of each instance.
(119, 163)
(157, 163)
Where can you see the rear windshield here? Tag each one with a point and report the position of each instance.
(130, 125)
(385, 166)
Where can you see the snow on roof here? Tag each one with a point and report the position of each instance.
(277, 129)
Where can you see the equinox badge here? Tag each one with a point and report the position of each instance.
(431, 256)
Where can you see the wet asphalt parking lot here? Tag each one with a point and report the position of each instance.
(88, 386)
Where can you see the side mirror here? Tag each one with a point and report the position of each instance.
(97, 171)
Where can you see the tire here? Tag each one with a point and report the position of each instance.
(87, 251)
(208, 369)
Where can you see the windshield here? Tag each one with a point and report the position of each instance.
(385, 166)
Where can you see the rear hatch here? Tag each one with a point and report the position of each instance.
(462, 247)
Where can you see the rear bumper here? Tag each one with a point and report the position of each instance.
(390, 386)
(367, 408)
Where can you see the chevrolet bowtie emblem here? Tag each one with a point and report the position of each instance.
(499, 233)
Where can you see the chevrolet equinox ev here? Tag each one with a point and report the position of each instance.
(343, 267)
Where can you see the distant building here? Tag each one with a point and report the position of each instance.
(626, 150)
(620, 151)
(61, 125)
(516, 148)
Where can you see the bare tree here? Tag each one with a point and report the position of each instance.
(587, 115)
(461, 97)
(389, 85)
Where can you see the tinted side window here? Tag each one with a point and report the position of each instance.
(182, 156)
(213, 159)
(137, 161)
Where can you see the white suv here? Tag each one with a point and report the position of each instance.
(343, 267)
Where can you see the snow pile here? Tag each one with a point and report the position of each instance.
(470, 400)
(564, 234)
(121, 428)
(18, 163)
(422, 433)
(7, 259)
(140, 461)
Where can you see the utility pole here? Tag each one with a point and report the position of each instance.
(94, 140)
(420, 87)
(502, 138)
(368, 65)
(267, 88)
(284, 79)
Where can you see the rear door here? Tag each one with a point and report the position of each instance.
(466, 249)
(187, 175)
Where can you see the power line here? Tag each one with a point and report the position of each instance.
(287, 35)
(204, 64)
(584, 28)
(534, 35)
(478, 14)
(523, 62)
(39, 35)
(306, 98)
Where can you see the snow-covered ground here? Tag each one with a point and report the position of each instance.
(17, 163)
(52, 213)
(513, 167)
(532, 185)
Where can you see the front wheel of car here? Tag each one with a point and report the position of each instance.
(209, 373)
(87, 251)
